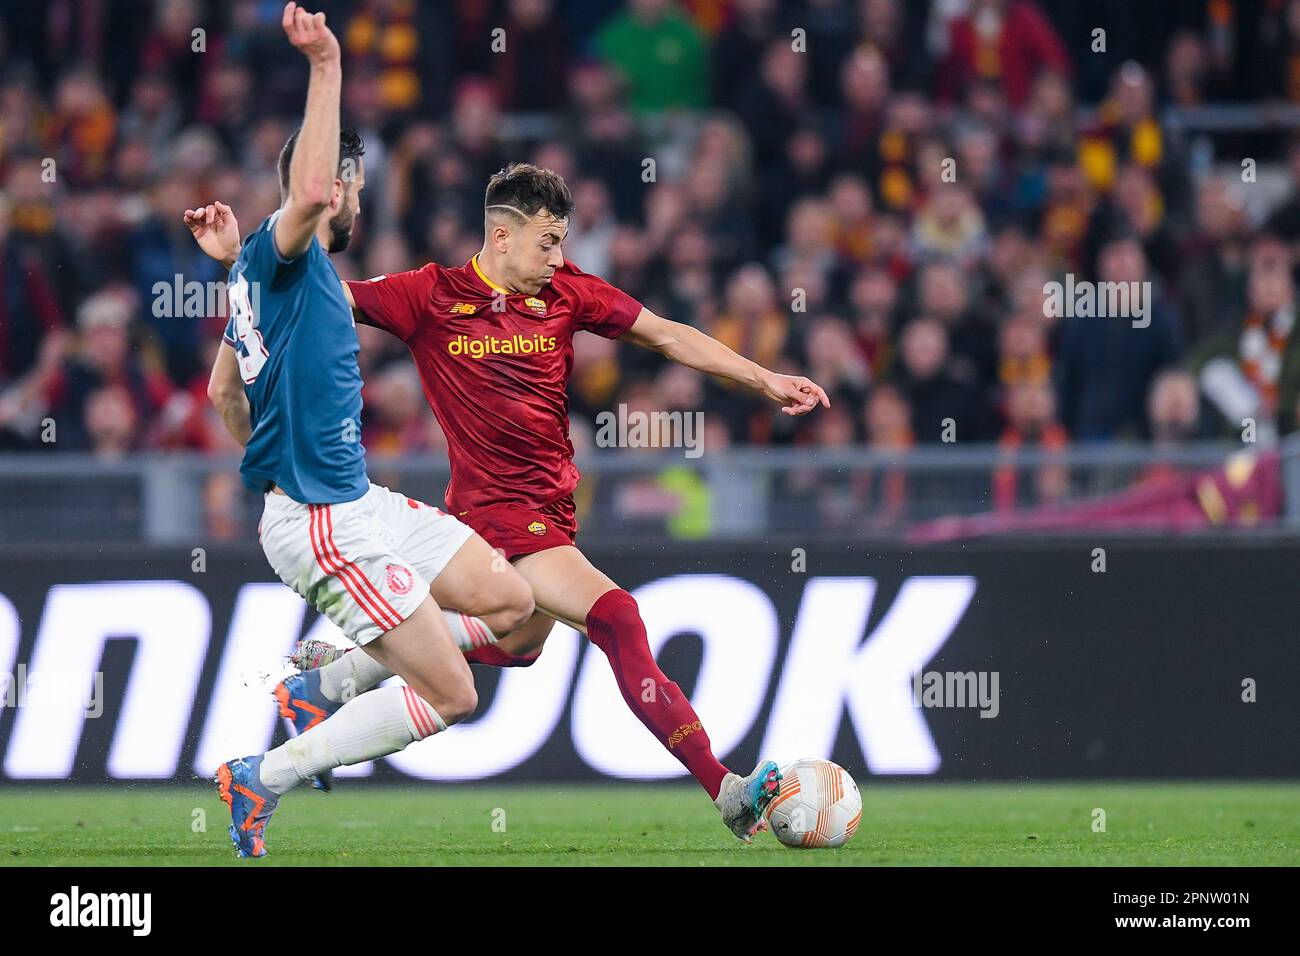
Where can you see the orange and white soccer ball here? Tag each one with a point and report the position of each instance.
(818, 806)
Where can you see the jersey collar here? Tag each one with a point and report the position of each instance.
(485, 280)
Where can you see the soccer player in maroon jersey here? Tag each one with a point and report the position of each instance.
(493, 342)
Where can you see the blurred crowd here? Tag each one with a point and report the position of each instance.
(871, 193)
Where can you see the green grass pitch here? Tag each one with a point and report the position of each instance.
(1146, 824)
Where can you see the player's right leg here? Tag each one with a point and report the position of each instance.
(339, 559)
(321, 686)
(439, 692)
(491, 599)
(489, 596)
(568, 587)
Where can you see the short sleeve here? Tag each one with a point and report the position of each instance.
(261, 249)
(394, 302)
(260, 261)
(601, 308)
(229, 335)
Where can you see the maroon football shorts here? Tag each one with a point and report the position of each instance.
(517, 530)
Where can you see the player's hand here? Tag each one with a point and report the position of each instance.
(215, 230)
(797, 395)
(309, 34)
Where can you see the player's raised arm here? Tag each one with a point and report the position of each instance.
(314, 169)
(691, 347)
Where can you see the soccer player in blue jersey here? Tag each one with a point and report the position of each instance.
(288, 387)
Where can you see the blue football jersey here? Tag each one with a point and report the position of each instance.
(296, 341)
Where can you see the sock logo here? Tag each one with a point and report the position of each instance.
(682, 732)
(398, 579)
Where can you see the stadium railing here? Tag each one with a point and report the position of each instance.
(736, 494)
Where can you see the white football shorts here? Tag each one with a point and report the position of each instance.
(365, 564)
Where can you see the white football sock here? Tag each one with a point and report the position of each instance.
(468, 632)
(351, 675)
(356, 671)
(368, 726)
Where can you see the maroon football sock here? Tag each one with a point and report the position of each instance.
(614, 625)
(493, 656)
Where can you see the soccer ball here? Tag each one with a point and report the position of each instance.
(818, 806)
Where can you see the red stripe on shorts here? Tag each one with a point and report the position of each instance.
(365, 581)
(328, 564)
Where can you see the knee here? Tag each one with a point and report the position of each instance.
(512, 606)
(615, 617)
(529, 646)
(519, 607)
(616, 608)
(458, 701)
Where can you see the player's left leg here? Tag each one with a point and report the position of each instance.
(479, 582)
(489, 596)
(340, 557)
(482, 584)
(520, 648)
(568, 587)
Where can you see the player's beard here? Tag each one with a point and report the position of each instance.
(341, 230)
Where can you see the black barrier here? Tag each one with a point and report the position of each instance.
(1008, 661)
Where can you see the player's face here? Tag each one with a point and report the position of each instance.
(537, 252)
(343, 221)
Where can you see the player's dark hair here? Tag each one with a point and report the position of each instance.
(351, 147)
(529, 189)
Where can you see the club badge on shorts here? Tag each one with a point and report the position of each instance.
(537, 528)
(398, 579)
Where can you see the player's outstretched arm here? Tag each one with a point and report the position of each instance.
(226, 392)
(691, 347)
(315, 164)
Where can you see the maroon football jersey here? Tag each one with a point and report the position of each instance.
(497, 378)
